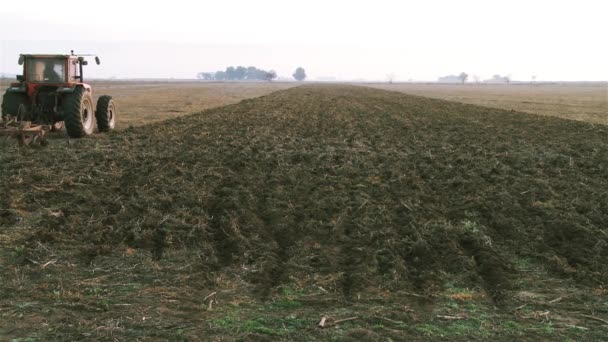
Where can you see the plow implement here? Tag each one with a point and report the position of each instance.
(25, 132)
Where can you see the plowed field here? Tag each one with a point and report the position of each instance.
(393, 216)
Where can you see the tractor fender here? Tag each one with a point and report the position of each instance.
(18, 89)
(71, 89)
(64, 90)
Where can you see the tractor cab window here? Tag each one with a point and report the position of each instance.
(46, 70)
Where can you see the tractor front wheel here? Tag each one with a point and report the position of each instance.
(78, 113)
(105, 113)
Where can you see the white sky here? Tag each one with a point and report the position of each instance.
(421, 40)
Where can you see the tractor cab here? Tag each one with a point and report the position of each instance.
(59, 70)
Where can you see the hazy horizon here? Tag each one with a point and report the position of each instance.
(554, 41)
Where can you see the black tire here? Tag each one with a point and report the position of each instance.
(78, 113)
(105, 113)
(11, 103)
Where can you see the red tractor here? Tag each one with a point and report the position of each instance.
(51, 93)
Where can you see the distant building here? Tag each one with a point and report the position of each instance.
(497, 79)
(6, 75)
(449, 79)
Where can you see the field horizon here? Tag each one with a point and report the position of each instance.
(153, 100)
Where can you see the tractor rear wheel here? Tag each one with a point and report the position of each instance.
(78, 113)
(105, 113)
(11, 103)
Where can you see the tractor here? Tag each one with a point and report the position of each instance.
(51, 94)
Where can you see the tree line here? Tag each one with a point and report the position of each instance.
(463, 77)
(241, 73)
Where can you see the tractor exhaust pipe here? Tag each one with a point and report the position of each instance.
(81, 77)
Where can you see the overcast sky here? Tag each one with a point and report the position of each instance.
(419, 40)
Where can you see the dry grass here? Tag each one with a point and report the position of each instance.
(144, 102)
(147, 102)
(575, 101)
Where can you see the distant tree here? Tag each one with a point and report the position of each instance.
(463, 77)
(259, 74)
(476, 78)
(230, 73)
(252, 73)
(237, 74)
(270, 75)
(390, 78)
(299, 74)
(220, 76)
(240, 72)
(205, 76)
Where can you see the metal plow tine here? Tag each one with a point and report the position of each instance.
(26, 134)
(32, 137)
(25, 139)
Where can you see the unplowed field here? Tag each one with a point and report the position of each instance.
(584, 101)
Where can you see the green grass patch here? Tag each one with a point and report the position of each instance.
(284, 304)
(269, 324)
